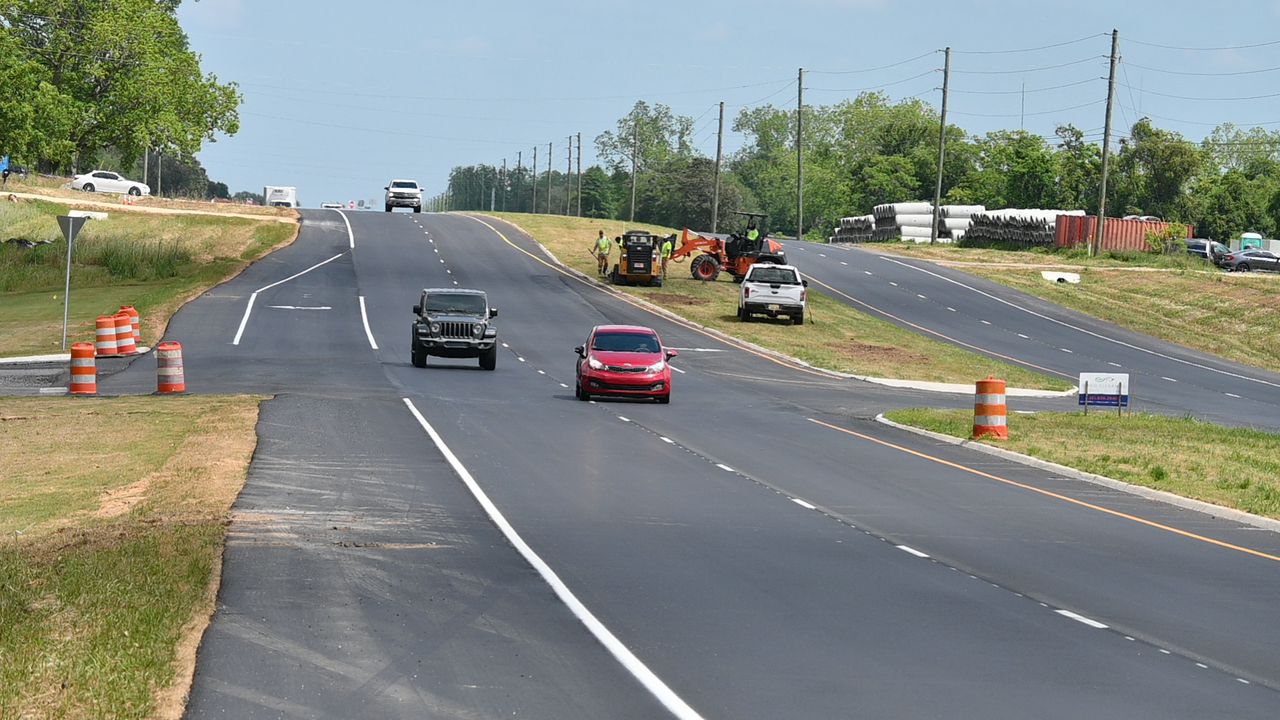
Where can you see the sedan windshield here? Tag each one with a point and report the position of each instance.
(625, 342)
(459, 303)
(774, 276)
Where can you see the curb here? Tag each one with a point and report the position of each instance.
(923, 385)
(65, 358)
(1218, 511)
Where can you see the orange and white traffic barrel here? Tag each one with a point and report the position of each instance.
(84, 373)
(169, 377)
(105, 335)
(124, 335)
(136, 321)
(990, 413)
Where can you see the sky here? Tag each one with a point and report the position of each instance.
(340, 97)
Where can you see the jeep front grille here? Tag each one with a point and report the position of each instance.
(458, 330)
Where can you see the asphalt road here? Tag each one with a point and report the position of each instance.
(757, 549)
(1010, 325)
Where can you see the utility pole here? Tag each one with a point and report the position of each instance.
(1022, 114)
(505, 188)
(160, 168)
(715, 194)
(534, 208)
(146, 159)
(568, 180)
(635, 141)
(549, 212)
(800, 154)
(579, 174)
(519, 167)
(493, 197)
(1096, 246)
(942, 148)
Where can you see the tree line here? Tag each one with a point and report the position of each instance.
(100, 83)
(870, 150)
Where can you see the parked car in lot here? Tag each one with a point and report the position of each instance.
(1246, 260)
(624, 361)
(106, 181)
(1208, 249)
(773, 290)
(454, 323)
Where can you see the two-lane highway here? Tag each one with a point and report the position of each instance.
(448, 541)
(1003, 323)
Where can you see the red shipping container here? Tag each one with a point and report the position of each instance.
(1117, 233)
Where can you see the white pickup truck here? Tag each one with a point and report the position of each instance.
(403, 193)
(773, 290)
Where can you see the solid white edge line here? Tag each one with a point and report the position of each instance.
(245, 320)
(296, 275)
(1100, 336)
(368, 332)
(628, 660)
(910, 550)
(1082, 619)
(351, 236)
(804, 504)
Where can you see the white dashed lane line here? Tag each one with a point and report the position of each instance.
(1064, 350)
(1024, 337)
(673, 367)
(921, 296)
(666, 440)
(803, 504)
(1087, 621)
(725, 468)
(893, 283)
(912, 551)
(843, 262)
(985, 322)
(1233, 395)
(1114, 364)
(951, 309)
(1162, 377)
(624, 419)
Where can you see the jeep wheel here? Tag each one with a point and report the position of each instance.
(489, 358)
(419, 355)
(798, 318)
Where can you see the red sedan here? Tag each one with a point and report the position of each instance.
(624, 361)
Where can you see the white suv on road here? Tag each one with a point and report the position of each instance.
(773, 290)
(403, 193)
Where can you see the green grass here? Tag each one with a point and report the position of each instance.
(1177, 298)
(152, 262)
(1226, 466)
(837, 338)
(109, 556)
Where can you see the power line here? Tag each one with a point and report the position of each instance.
(1032, 114)
(1200, 122)
(1199, 49)
(874, 69)
(1209, 99)
(399, 96)
(1081, 61)
(779, 91)
(1029, 90)
(1033, 49)
(1202, 74)
(877, 87)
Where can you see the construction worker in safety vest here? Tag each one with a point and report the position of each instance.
(602, 247)
(752, 233)
(668, 247)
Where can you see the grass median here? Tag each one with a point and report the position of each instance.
(112, 519)
(836, 338)
(153, 262)
(1178, 298)
(1226, 466)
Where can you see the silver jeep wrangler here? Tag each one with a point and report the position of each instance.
(454, 323)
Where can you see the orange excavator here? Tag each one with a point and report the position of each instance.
(733, 253)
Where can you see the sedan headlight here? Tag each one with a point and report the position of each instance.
(595, 364)
(656, 367)
(435, 328)
(477, 330)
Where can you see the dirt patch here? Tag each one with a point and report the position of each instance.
(677, 299)
(885, 354)
(118, 501)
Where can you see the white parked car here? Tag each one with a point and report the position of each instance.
(773, 290)
(106, 181)
(331, 206)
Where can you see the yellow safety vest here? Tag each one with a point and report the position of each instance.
(752, 234)
(668, 247)
(602, 244)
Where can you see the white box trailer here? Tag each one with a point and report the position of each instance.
(279, 196)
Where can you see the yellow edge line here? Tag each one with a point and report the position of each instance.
(636, 304)
(1049, 493)
(948, 338)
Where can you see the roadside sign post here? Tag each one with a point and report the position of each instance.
(1104, 390)
(70, 228)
